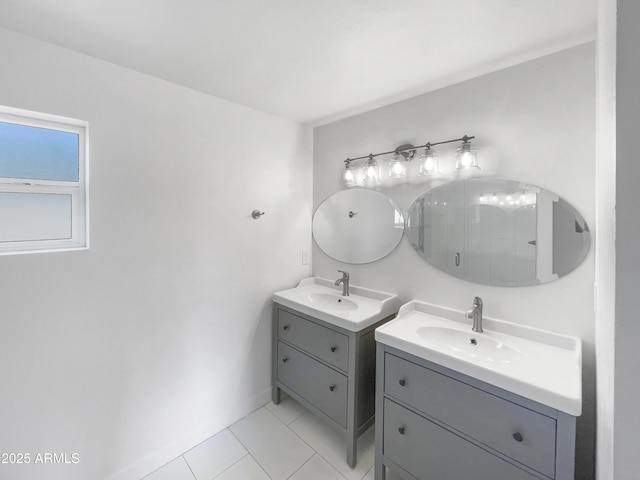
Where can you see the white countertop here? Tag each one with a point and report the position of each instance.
(537, 364)
(361, 309)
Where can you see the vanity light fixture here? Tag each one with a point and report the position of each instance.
(466, 159)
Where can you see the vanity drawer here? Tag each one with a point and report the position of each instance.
(324, 343)
(516, 431)
(320, 385)
(430, 452)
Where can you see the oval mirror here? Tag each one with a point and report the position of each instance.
(357, 226)
(498, 232)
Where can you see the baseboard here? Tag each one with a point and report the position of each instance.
(162, 456)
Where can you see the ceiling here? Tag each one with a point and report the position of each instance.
(308, 60)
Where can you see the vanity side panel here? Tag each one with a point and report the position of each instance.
(366, 378)
(566, 441)
(379, 402)
(275, 390)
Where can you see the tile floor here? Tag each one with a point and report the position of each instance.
(276, 442)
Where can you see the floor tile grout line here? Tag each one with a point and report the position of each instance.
(248, 453)
(261, 468)
(298, 436)
(319, 454)
(247, 449)
(332, 466)
(302, 439)
(305, 462)
(274, 413)
(189, 466)
(328, 463)
(172, 460)
(234, 463)
(294, 433)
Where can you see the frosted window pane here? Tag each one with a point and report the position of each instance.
(34, 216)
(38, 153)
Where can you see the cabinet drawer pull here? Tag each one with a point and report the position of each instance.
(333, 349)
(332, 387)
(402, 382)
(518, 437)
(285, 327)
(401, 430)
(285, 359)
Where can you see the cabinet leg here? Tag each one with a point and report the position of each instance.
(351, 455)
(352, 449)
(380, 472)
(275, 395)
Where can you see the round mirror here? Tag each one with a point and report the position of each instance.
(357, 226)
(498, 232)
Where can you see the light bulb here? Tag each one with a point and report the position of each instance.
(371, 171)
(348, 176)
(398, 168)
(428, 162)
(467, 157)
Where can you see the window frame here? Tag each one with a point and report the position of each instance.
(79, 190)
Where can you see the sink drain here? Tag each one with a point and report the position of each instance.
(473, 341)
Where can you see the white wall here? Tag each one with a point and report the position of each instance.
(534, 122)
(159, 335)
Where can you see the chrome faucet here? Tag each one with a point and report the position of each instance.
(475, 312)
(345, 283)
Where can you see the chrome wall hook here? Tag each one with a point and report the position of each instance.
(256, 214)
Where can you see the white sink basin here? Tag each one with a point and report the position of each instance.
(468, 344)
(322, 299)
(331, 301)
(537, 364)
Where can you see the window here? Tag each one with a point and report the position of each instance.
(43, 182)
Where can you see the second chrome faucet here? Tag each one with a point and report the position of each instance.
(345, 282)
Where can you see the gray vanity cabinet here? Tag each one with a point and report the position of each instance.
(436, 424)
(328, 369)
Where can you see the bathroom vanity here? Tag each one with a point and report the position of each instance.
(448, 408)
(324, 352)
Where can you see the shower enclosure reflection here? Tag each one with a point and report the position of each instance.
(498, 232)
